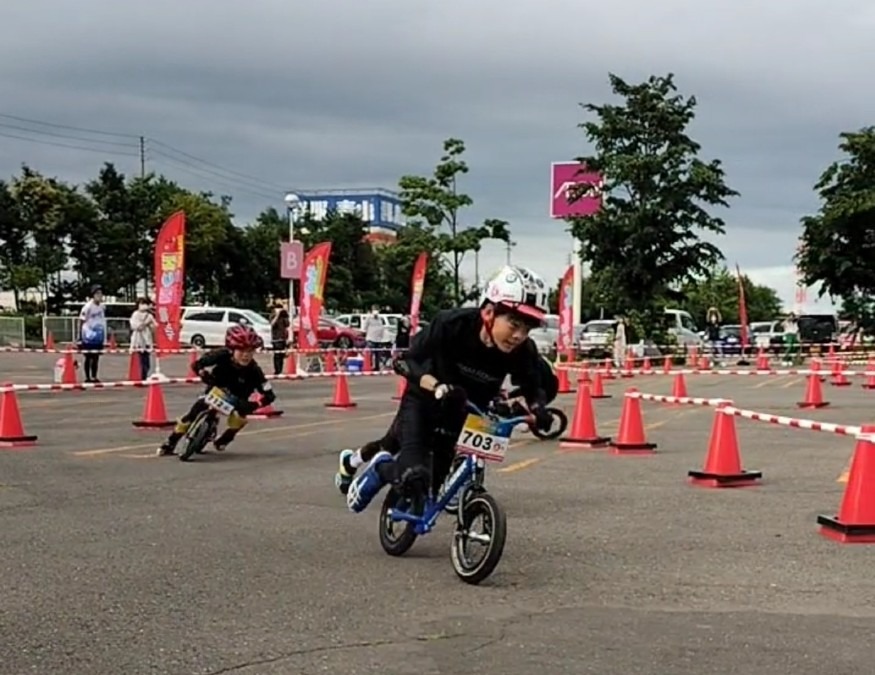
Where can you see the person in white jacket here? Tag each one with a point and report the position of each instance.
(143, 326)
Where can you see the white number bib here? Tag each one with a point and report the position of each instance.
(480, 437)
(217, 401)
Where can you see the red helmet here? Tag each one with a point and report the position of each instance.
(243, 337)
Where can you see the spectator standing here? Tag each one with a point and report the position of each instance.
(791, 339)
(374, 335)
(279, 336)
(713, 321)
(620, 341)
(92, 332)
(143, 326)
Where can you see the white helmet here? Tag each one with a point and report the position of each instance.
(519, 289)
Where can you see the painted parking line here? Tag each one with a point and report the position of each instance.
(255, 432)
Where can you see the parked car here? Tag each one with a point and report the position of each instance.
(206, 326)
(546, 337)
(332, 333)
(596, 339)
(356, 321)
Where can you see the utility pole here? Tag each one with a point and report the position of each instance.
(142, 157)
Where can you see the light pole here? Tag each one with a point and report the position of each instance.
(293, 207)
(510, 245)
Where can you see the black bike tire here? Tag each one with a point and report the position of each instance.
(554, 433)
(197, 435)
(479, 572)
(400, 545)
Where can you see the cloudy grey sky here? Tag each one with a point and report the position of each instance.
(341, 93)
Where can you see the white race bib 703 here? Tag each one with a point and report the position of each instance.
(479, 437)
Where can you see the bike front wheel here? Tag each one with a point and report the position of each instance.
(197, 436)
(491, 536)
(560, 424)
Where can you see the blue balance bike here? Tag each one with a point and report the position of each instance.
(485, 437)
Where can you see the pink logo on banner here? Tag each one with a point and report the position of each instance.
(563, 177)
(291, 259)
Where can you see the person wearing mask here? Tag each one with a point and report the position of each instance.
(92, 332)
(279, 336)
(143, 327)
(374, 335)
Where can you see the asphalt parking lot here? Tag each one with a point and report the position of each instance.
(116, 561)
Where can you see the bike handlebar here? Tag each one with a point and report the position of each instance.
(473, 407)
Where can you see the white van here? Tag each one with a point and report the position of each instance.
(356, 321)
(206, 326)
(682, 326)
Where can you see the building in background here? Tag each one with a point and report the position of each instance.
(378, 207)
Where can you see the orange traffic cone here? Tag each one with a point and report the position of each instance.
(813, 394)
(69, 375)
(50, 341)
(666, 365)
(401, 388)
(762, 360)
(134, 370)
(679, 386)
(598, 387)
(839, 378)
(564, 383)
(647, 367)
(628, 367)
(113, 345)
(630, 435)
(341, 394)
(723, 463)
(583, 432)
(11, 427)
(609, 374)
(154, 411)
(263, 412)
(870, 379)
(192, 357)
(855, 522)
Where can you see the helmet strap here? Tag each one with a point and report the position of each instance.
(488, 319)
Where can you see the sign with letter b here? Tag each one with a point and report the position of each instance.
(291, 259)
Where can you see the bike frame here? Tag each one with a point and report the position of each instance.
(461, 479)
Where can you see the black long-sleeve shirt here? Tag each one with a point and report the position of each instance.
(450, 350)
(240, 381)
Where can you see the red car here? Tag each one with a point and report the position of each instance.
(333, 334)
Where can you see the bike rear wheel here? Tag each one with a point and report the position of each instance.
(556, 430)
(197, 436)
(396, 537)
(479, 505)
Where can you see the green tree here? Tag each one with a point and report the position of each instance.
(39, 202)
(17, 271)
(838, 242)
(645, 240)
(436, 202)
(719, 288)
(396, 263)
(353, 273)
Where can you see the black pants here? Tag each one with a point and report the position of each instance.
(91, 361)
(145, 364)
(425, 435)
(279, 356)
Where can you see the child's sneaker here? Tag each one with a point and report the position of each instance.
(345, 472)
(367, 484)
